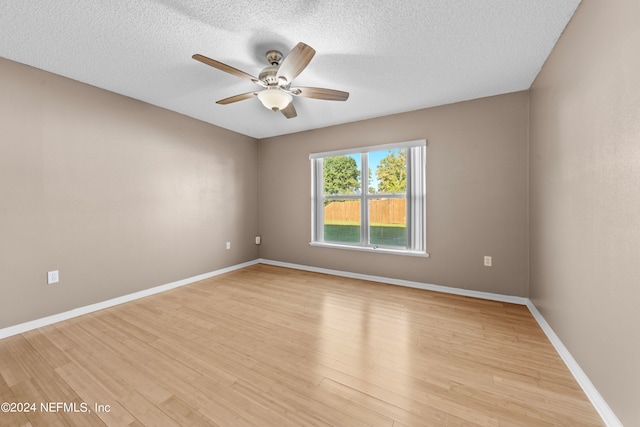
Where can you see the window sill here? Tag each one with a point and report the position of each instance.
(370, 249)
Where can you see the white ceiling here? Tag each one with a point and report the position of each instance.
(391, 55)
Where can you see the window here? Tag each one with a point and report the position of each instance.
(370, 198)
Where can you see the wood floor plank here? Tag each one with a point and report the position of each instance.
(12, 371)
(51, 388)
(11, 419)
(410, 414)
(270, 346)
(94, 394)
(27, 391)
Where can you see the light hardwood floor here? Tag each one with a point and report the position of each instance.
(269, 346)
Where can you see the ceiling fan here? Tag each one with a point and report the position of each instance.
(276, 93)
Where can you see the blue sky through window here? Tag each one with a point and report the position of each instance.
(374, 161)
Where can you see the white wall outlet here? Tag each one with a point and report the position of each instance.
(228, 245)
(258, 240)
(487, 261)
(53, 277)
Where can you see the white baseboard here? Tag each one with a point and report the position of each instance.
(399, 282)
(587, 386)
(38, 323)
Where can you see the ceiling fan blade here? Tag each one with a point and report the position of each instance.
(320, 93)
(296, 61)
(224, 67)
(237, 98)
(289, 111)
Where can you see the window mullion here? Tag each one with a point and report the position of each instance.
(364, 200)
(410, 200)
(319, 204)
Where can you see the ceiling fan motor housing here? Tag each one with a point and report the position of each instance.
(274, 57)
(268, 75)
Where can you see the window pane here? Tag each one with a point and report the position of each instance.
(388, 222)
(388, 171)
(342, 221)
(341, 175)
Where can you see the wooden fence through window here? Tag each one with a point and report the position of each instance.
(381, 211)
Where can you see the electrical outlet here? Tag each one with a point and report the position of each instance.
(53, 277)
(487, 261)
(258, 240)
(228, 245)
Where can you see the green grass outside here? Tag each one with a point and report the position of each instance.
(386, 235)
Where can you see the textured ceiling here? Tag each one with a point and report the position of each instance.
(392, 56)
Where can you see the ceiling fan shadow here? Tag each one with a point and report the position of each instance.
(350, 71)
(206, 13)
(265, 40)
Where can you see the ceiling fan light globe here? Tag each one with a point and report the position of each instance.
(274, 99)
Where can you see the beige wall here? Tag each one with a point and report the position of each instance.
(116, 194)
(476, 194)
(585, 197)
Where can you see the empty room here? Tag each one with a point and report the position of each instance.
(384, 213)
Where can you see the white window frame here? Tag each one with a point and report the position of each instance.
(415, 196)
